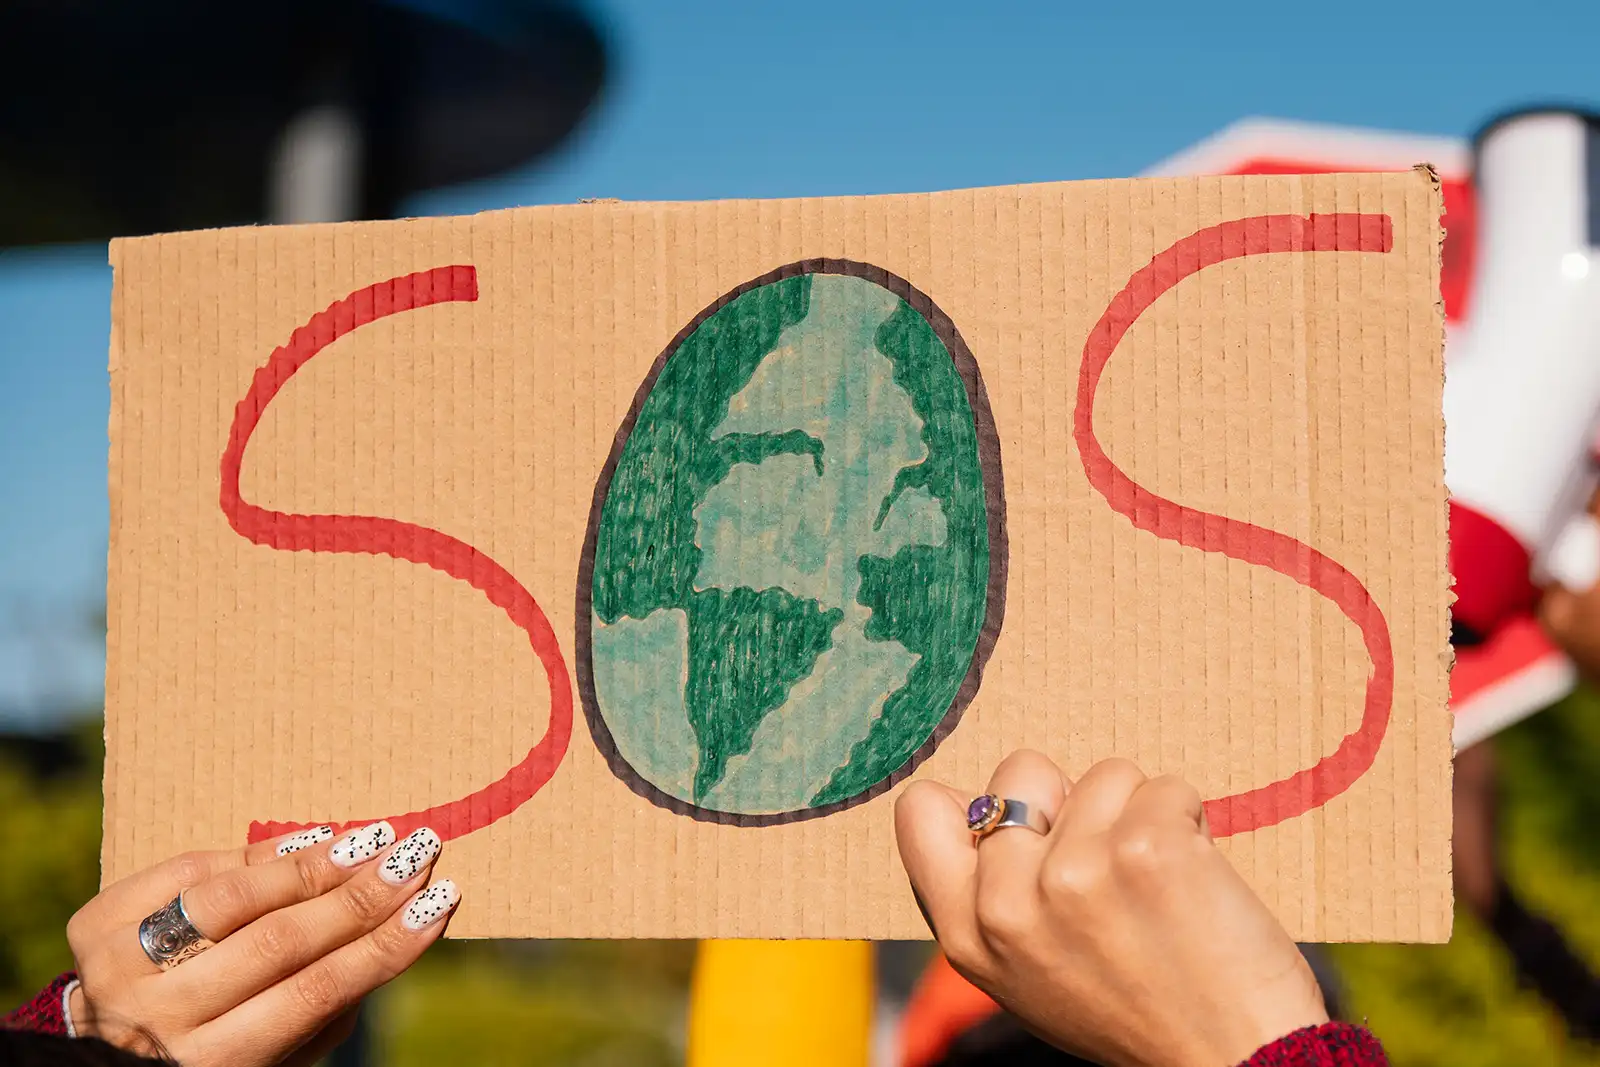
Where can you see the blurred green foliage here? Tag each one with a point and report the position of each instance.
(1458, 1005)
(592, 1004)
(525, 1004)
(50, 838)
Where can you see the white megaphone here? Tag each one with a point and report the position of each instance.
(1522, 385)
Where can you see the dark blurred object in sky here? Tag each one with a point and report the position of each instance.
(47, 756)
(141, 116)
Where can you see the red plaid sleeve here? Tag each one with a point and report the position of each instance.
(43, 1014)
(1328, 1045)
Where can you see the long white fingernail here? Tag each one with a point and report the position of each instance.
(359, 846)
(410, 856)
(304, 839)
(431, 905)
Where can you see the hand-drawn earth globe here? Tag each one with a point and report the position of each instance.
(795, 565)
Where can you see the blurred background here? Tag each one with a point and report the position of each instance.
(126, 118)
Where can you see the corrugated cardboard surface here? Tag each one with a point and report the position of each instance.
(1298, 391)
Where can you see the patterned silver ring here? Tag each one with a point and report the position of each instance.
(169, 937)
(989, 813)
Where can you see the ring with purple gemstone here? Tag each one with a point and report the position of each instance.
(989, 813)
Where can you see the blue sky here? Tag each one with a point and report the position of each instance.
(757, 98)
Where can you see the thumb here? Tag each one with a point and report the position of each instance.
(930, 829)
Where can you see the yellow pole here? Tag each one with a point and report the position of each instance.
(781, 1004)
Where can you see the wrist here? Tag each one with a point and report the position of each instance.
(1331, 1044)
(1271, 1023)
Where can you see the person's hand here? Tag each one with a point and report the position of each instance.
(1122, 934)
(1569, 608)
(304, 927)
(1572, 619)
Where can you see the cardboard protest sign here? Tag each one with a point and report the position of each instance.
(645, 550)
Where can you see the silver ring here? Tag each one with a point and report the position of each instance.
(989, 813)
(169, 937)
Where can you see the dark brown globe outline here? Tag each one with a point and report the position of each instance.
(989, 466)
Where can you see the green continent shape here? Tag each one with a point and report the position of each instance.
(646, 555)
(920, 581)
(932, 600)
(645, 551)
(746, 649)
(785, 524)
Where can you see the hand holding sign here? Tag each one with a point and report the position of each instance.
(257, 956)
(1120, 933)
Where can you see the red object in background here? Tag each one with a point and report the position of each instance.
(1516, 672)
(1501, 569)
(943, 1006)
